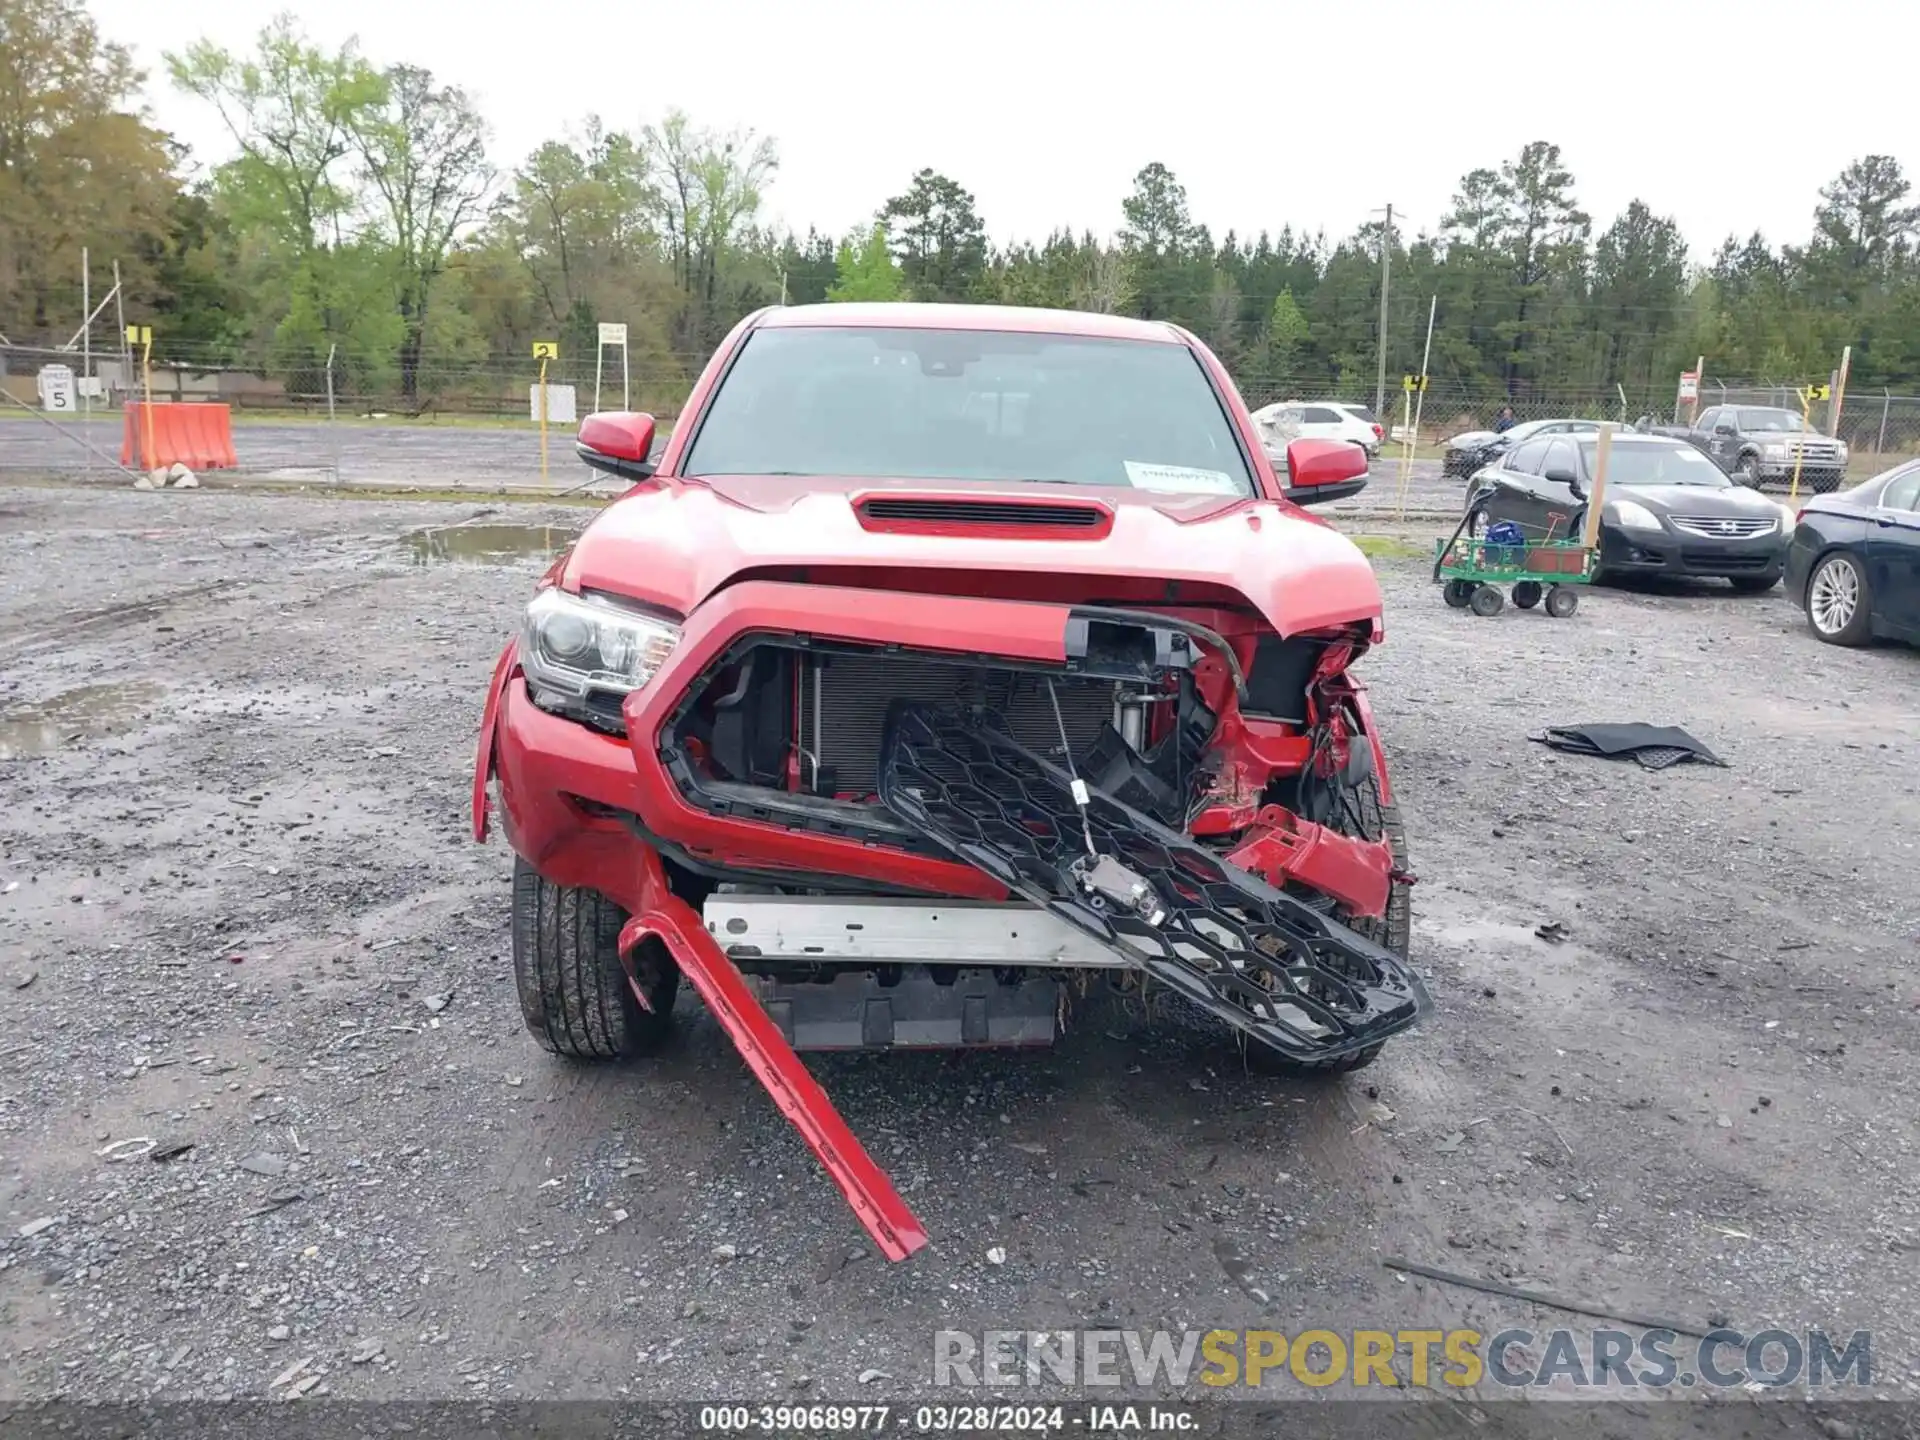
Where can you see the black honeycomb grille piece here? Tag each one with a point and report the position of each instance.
(1265, 962)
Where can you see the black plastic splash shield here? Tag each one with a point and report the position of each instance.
(1264, 962)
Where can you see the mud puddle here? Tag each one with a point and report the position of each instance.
(76, 714)
(485, 544)
(1489, 947)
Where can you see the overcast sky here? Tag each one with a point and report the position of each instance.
(1310, 114)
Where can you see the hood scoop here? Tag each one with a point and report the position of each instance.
(1000, 516)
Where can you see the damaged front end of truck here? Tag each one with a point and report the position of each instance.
(906, 766)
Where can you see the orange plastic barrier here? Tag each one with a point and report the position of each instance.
(197, 436)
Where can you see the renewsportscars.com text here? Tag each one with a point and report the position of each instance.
(1515, 1358)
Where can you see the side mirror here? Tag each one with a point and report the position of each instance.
(1562, 475)
(1725, 429)
(1323, 470)
(619, 442)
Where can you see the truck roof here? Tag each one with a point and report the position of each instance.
(906, 315)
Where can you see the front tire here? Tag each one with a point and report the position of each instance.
(1839, 604)
(574, 994)
(1747, 471)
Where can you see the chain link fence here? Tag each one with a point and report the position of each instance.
(475, 428)
(1879, 427)
(471, 425)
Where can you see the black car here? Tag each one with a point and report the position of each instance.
(1855, 560)
(1668, 509)
(1477, 449)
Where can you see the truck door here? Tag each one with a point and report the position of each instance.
(1706, 434)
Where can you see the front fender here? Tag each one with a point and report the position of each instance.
(490, 717)
(1364, 708)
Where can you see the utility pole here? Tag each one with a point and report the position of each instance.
(1386, 264)
(120, 320)
(86, 350)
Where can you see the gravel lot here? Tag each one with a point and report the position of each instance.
(239, 911)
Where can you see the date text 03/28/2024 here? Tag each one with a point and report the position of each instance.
(946, 1419)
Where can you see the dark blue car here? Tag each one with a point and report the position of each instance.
(1854, 562)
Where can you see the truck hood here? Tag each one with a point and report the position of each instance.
(673, 543)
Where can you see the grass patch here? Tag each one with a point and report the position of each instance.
(1390, 547)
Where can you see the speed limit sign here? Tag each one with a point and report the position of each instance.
(56, 388)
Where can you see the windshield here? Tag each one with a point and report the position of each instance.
(1657, 465)
(872, 403)
(1751, 420)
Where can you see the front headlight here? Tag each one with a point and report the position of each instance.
(1631, 515)
(1843, 452)
(583, 654)
(1774, 452)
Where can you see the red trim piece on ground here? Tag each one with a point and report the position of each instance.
(894, 1227)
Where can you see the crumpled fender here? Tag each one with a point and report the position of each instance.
(490, 717)
(1364, 708)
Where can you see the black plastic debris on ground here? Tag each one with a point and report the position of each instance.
(1655, 746)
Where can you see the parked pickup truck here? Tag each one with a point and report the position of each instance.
(1757, 443)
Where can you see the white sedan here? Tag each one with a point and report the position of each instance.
(1291, 420)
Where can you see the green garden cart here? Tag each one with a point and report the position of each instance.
(1474, 567)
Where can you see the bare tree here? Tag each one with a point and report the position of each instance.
(710, 190)
(424, 151)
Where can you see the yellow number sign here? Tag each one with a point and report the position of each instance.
(546, 349)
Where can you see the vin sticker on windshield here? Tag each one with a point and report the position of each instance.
(1179, 478)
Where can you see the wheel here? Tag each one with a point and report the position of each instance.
(1458, 593)
(1562, 601)
(1527, 594)
(574, 995)
(1487, 600)
(1364, 818)
(1752, 584)
(1839, 605)
(1746, 471)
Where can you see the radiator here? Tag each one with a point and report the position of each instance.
(844, 699)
